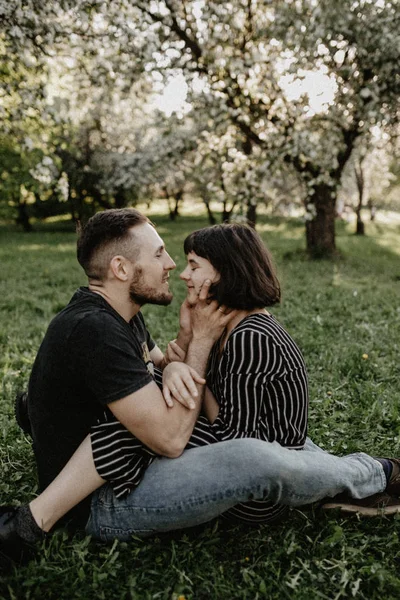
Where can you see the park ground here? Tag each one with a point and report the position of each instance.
(345, 316)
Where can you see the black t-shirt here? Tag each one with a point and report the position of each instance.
(89, 357)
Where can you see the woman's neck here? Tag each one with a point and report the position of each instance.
(242, 314)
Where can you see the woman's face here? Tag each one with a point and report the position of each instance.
(197, 270)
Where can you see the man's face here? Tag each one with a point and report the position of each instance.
(197, 270)
(149, 284)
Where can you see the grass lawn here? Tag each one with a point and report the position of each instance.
(345, 316)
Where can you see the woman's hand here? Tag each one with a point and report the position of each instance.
(174, 353)
(185, 320)
(179, 383)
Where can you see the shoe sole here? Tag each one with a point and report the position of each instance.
(365, 511)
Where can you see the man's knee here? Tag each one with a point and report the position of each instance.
(249, 453)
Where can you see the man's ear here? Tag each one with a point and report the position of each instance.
(120, 267)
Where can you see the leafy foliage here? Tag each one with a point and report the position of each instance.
(245, 64)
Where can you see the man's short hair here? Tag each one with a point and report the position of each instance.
(247, 275)
(106, 235)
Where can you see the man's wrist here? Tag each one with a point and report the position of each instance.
(200, 346)
(198, 353)
(203, 338)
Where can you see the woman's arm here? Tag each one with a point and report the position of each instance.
(177, 349)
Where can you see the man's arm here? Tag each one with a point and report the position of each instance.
(145, 414)
(166, 430)
(177, 349)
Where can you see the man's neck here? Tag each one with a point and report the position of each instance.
(117, 299)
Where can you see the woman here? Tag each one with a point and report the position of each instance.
(256, 380)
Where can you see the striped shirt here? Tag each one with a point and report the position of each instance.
(260, 384)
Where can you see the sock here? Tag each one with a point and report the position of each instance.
(387, 467)
(27, 527)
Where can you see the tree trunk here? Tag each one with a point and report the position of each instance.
(360, 229)
(174, 209)
(358, 170)
(211, 219)
(226, 214)
(372, 211)
(23, 217)
(173, 212)
(252, 214)
(74, 214)
(320, 231)
(168, 198)
(120, 198)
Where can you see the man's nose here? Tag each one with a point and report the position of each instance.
(170, 264)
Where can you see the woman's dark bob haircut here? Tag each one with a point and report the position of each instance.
(247, 275)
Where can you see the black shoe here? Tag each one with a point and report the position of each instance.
(21, 412)
(13, 548)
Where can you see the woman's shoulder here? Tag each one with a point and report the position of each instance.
(260, 329)
(260, 324)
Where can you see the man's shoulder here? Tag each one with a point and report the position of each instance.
(138, 321)
(86, 300)
(86, 311)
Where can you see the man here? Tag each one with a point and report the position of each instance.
(94, 356)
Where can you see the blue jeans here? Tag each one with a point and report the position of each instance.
(205, 482)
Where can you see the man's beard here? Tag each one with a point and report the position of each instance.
(142, 294)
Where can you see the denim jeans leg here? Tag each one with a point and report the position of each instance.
(309, 446)
(204, 482)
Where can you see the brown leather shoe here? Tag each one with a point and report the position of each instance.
(378, 505)
(393, 486)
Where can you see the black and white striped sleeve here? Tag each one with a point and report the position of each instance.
(249, 360)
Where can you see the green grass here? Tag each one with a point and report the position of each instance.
(337, 311)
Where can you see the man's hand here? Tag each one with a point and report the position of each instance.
(179, 382)
(208, 318)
